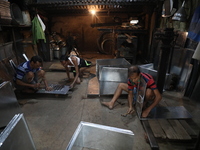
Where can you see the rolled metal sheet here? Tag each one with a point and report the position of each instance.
(8, 103)
(16, 135)
(95, 136)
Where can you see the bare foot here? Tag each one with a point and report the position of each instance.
(107, 104)
(130, 111)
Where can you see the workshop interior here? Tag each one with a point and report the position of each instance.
(161, 37)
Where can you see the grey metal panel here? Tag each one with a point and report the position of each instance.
(57, 89)
(111, 72)
(114, 74)
(16, 135)
(108, 88)
(8, 103)
(176, 112)
(119, 62)
(95, 136)
(148, 68)
(141, 89)
(109, 79)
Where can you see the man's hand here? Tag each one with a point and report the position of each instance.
(36, 85)
(145, 113)
(71, 86)
(48, 88)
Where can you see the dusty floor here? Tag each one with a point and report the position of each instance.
(53, 120)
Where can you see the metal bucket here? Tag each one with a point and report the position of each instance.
(26, 18)
(56, 52)
(63, 50)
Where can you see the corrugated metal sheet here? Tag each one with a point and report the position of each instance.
(54, 6)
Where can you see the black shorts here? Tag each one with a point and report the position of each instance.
(83, 63)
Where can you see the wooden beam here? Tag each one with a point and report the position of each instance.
(151, 138)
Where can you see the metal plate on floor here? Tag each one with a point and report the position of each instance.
(172, 112)
(8, 103)
(92, 136)
(57, 89)
(16, 135)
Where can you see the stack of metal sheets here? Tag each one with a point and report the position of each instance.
(5, 16)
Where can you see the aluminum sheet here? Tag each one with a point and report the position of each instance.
(114, 74)
(110, 78)
(111, 72)
(118, 62)
(141, 89)
(108, 88)
(148, 68)
(172, 112)
(57, 89)
(8, 103)
(99, 137)
(16, 135)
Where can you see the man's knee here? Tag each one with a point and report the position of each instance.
(29, 76)
(41, 73)
(149, 94)
(123, 86)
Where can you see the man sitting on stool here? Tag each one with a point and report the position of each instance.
(75, 63)
(152, 94)
(28, 74)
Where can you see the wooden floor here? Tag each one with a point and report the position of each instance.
(171, 130)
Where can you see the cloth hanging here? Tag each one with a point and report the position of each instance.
(37, 31)
(41, 22)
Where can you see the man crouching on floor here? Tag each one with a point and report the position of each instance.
(152, 95)
(73, 63)
(29, 76)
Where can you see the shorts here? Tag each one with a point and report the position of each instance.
(83, 63)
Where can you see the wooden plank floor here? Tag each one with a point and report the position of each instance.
(181, 133)
(157, 129)
(172, 129)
